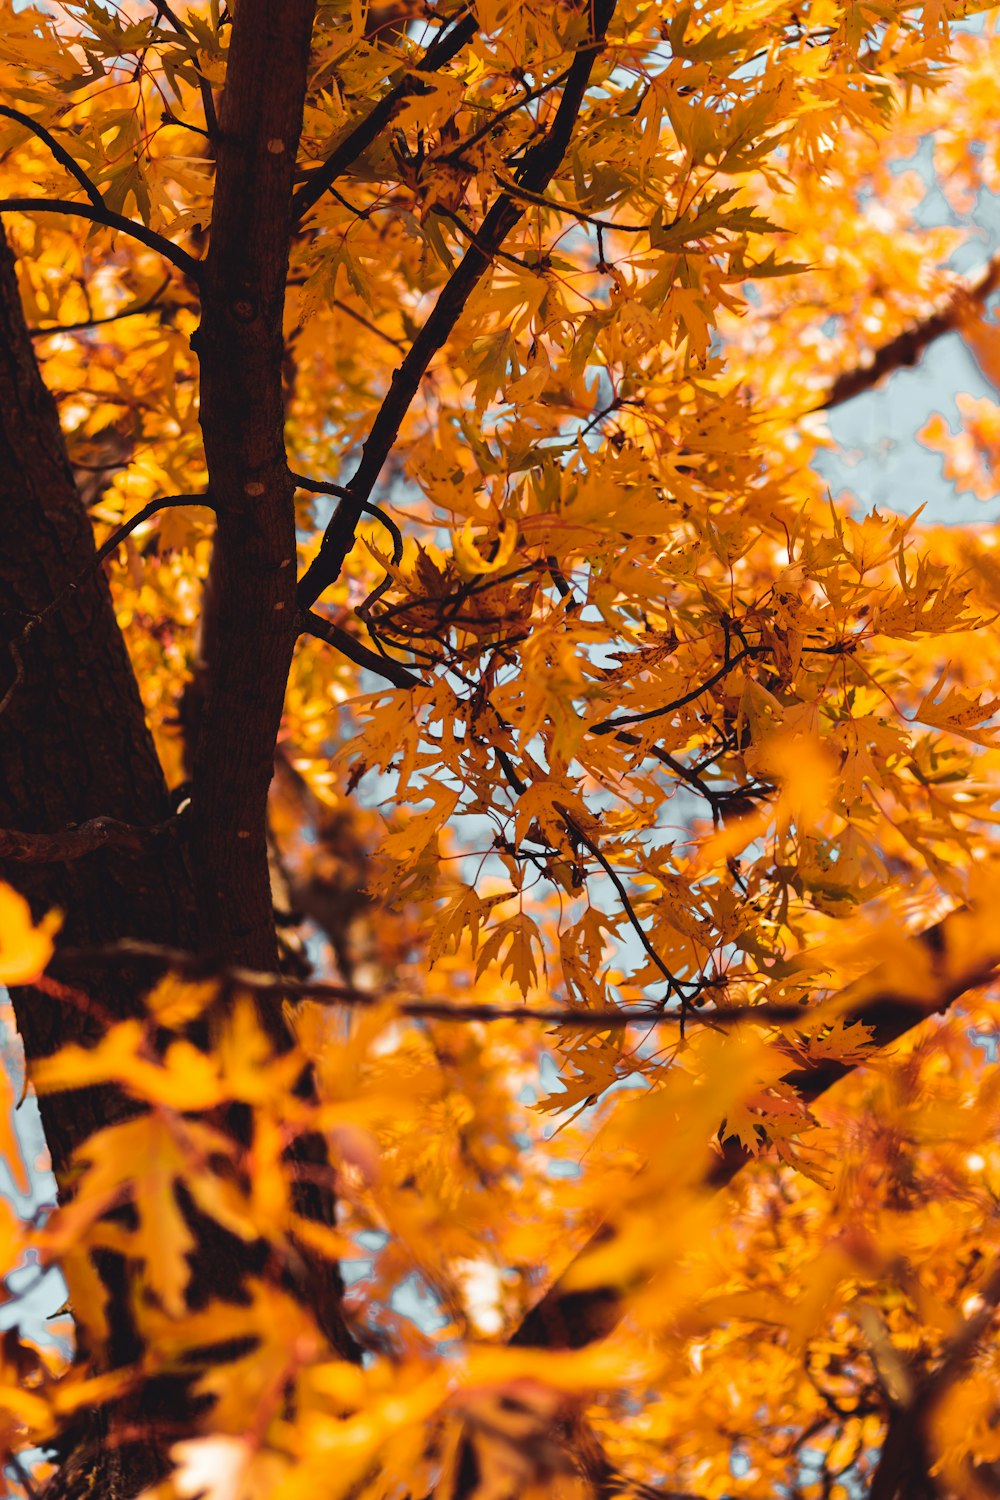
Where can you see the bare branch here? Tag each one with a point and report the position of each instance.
(75, 843)
(325, 630)
(60, 153)
(907, 347)
(380, 333)
(134, 310)
(341, 492)
(609, 1018)
(319, 486)
(116, 538)
(102, 215)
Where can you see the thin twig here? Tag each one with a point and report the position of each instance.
(351, 312)
(204, 87)
(518, 190)
(116, 538)
(503, 114)
(23, 1477)
(339, 491)
(470, 234)
(677, 986)
(609, 1017)
(135, 310)
(323, 487)
(609, 726)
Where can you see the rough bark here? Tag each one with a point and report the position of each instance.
(249, 621)
(249, 626)
(74, 745)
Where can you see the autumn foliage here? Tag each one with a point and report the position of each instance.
(499, 874)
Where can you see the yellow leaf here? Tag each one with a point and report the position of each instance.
(25, 948)
(141, 1160)
(176, 1001)
(408, 842)
(471, 562)
(187, 1079)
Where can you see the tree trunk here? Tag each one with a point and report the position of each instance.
(74, 744)
(249, 627)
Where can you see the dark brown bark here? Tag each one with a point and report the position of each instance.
(249, 626)
(907, 347)
(76, 843)
(74, 747)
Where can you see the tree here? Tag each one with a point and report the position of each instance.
(432, 656)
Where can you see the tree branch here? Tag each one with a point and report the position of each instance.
(907, 347)
(503, 114)
(675, 986)
(566, 1318)
(339, 491)
(449, 41)
(204, 87)
(60, 153)
(147, 237)
(248, 622)
(248, 626)
(134, 310)
(74, 843)
(539, 166)
(609, 1018)
(149, 510)
(609, 726)
(380, 333)
(325, 630)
